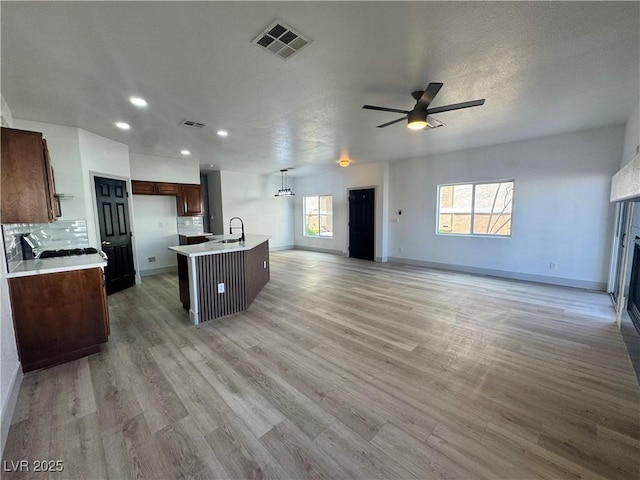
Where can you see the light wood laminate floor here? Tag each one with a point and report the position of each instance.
(344, 369)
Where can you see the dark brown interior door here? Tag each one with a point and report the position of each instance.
(362, 223)
(115, 233)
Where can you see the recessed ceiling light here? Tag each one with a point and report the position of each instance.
(222, 133)
(138, 102)
(123, 125)
(185, 152)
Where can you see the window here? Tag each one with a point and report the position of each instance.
(475, 208)
(318, 216)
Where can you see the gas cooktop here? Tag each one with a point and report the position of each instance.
(67, 252)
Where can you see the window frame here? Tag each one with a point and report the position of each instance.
(473, 204)
(304, 217)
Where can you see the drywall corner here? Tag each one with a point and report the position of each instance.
(10, 406)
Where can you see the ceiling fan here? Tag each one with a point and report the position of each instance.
(420, 117)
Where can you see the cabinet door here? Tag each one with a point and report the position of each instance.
(168, 189)
(190, 200)
(52, 203)
(24, 197)
(143, 188)
(58, 316)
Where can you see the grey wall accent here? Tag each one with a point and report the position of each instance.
(215, 203)
(204, 186)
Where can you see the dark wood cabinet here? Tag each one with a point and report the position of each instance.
(188, 196)
(256, 270)
(172, 189)
(139, 187)
(28, 189)
(59, 317)
(190, 200)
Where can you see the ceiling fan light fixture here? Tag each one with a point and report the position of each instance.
(416, 120)
(284, 191)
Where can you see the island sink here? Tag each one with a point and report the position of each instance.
(228, 240)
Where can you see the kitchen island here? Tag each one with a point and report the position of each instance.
(224, 275)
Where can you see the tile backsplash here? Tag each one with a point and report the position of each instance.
(52, 236)
(190, 225)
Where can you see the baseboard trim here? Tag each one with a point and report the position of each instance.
(9, 408)
(319, 250)
(284, 247)
(158, 271)
(527, 277)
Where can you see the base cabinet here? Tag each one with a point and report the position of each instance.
(59, 317)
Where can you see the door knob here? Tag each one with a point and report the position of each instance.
(106, 243)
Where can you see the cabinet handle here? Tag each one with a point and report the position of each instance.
(106, 243)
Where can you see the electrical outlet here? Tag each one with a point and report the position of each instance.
(221, 288)
(401, 250)
(553, 265)
(151, 259)
(160, 224)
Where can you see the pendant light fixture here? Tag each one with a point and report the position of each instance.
(284, 191)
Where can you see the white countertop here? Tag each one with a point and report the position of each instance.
(203, 234)
(57, 264)
(213, 246)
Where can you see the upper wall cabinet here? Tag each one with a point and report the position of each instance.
(190, 201)
(28, 189)
(139, 187)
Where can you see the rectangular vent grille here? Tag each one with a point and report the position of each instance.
(281, 40)
(191, 123)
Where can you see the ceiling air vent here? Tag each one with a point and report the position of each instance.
(281, 40)
(191, 123)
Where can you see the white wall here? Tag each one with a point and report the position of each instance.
(631, 142)
(155, 227)
(10, 372)
(337, 182)
(631, 136)
(561, 210)
(101, 157)
(155, 230)
(162, 169)
(6, 118)
(251, 197)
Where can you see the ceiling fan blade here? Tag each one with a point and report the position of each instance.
(455, 106)
(433, 122)
(428, 95)
(391, 122)
(384, 109)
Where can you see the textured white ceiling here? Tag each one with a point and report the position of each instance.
(543, 67)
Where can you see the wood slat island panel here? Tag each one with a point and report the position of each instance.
(227, 269)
